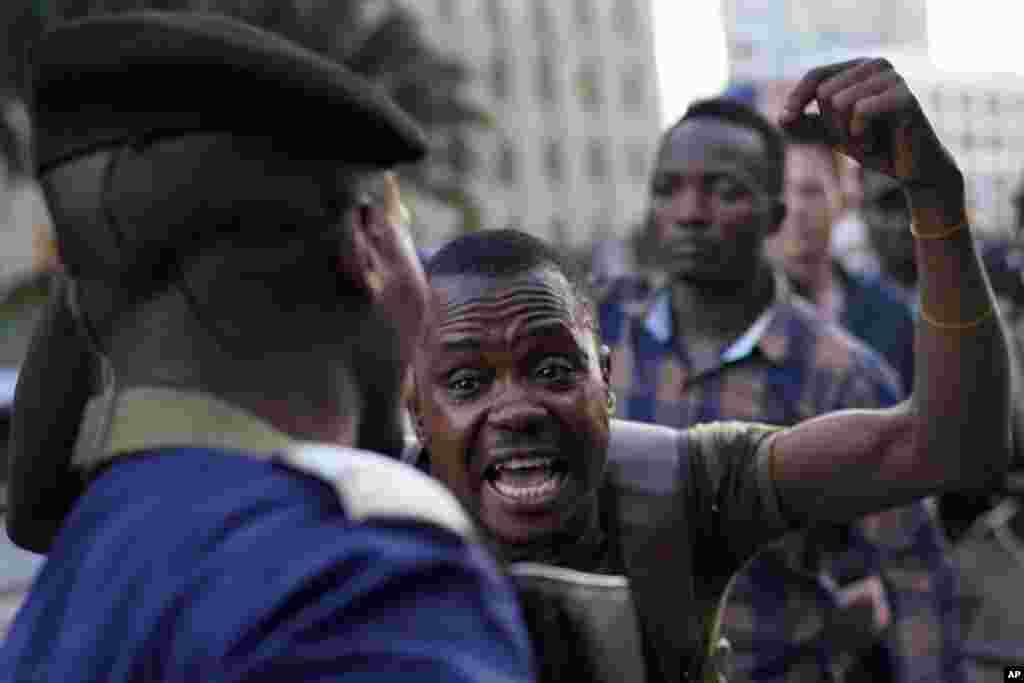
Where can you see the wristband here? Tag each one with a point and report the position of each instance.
(957, 326)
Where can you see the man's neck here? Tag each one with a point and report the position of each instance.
(582, 544)
(721, 314)
(823, 288)
(321, 426)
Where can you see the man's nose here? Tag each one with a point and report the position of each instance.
(517, 413)
(690, 207)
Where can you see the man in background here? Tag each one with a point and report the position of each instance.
(727, 339)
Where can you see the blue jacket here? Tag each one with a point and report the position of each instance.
(197, 564)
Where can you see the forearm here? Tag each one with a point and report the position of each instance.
(961, 401)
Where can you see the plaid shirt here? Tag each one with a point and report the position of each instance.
(788, 367)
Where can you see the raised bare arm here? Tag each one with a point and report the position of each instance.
(954, 432)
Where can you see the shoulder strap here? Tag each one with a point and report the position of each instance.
(583, 625)
(651, 472)
(372, 486)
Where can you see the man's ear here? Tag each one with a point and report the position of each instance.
(776, 215)
(414, 406)
(359, 261)
(604, 355)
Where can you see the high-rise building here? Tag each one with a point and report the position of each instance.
(572, 88)
(980, 119)
(977, 115)
(765, 35)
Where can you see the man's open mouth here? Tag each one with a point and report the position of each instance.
(528, 478)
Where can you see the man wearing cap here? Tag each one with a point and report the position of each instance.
(247, 292)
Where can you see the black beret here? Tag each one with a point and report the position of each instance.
(108, 80)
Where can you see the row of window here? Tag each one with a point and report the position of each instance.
(624, 16)
(588, 83)
(994, 103)
(969, 140)
(508, 165)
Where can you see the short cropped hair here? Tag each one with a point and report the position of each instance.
(734, 112)
(814, 136)
(508, 253)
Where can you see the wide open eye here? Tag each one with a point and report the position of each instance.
(465, 383)
(558, 372)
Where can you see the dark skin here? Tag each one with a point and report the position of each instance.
(511, 368)
(830, 469)
(710, 213)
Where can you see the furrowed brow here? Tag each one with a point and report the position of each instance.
(455, 344)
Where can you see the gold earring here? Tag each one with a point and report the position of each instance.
(611, 403)
(374, 282)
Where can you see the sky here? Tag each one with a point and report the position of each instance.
(689, 50)
(689, 44)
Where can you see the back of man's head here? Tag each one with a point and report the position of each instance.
(175, 212)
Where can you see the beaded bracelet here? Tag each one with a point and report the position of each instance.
(957, 326)
(942, 235)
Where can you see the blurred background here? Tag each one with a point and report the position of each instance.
(544, 114)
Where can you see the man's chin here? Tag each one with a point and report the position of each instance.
(522, 522)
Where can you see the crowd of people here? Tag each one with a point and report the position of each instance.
(257, 438)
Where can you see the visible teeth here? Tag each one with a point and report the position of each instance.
(524, 463)
(548, 486)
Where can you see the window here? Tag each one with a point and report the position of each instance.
(625, 19)
(633, 90)
(584, 14)
(542, 19)
(461, 156)
(601, 226)
(588, 86)
(546, 88)
(968, 141)
(446, 8)
(559, 232)
(597, 161)
(508, 164)
(495, 16)
(500, 77)
(993, 104)
(554, 161)
(636, 160)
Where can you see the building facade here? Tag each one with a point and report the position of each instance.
(978, 116)
(572, 89)
(763, 36)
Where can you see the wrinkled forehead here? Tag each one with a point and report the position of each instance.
(488, 302)
(704, 144)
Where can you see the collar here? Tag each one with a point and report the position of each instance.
(148, 418)
(767, 333)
